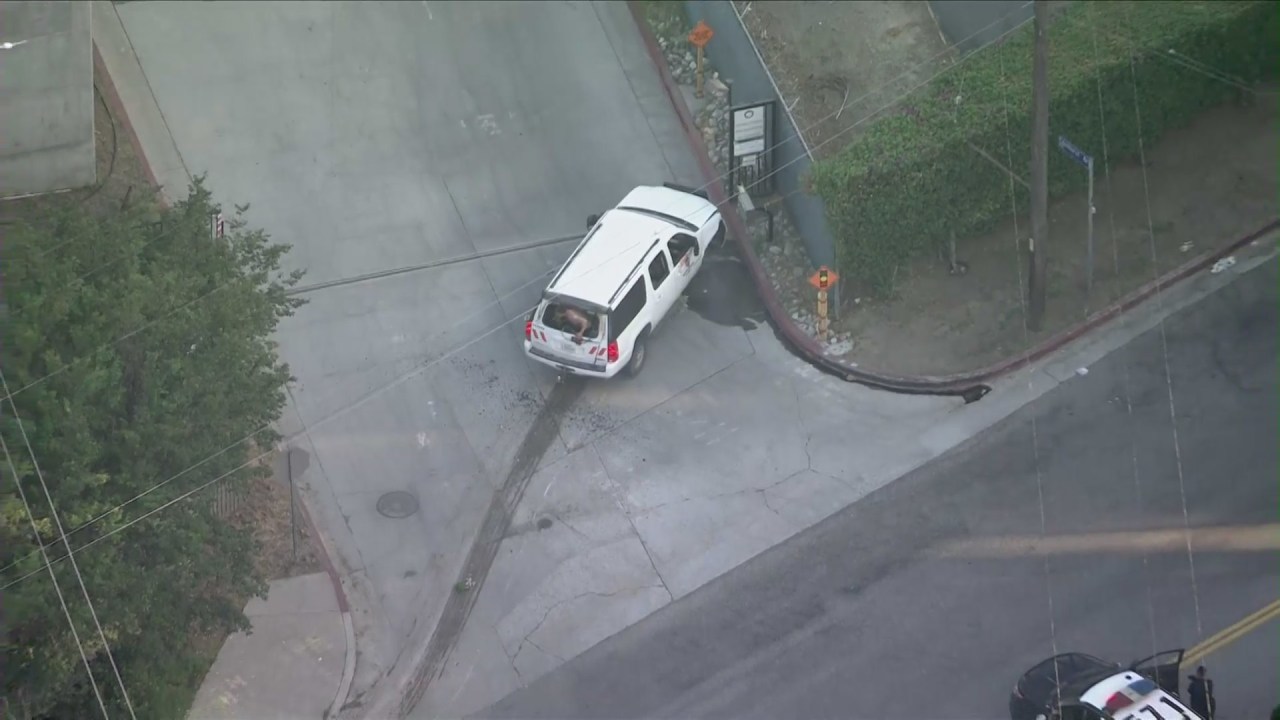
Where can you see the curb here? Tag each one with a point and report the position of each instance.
(114, 56)
(972, 386)
(326, 556)
(116, 105)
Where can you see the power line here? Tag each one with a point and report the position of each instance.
(53, 513)
(1123, 318)
(344, 410)
(57, 589)
(1164, 339)
(207, 294)
(295, 291)
(1026, 335)
(705, 186)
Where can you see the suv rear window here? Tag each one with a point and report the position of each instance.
(552, 318)
(627, 310)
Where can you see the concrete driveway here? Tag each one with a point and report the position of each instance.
(379, 137)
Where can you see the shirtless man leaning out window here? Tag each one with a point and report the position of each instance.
(574, 318)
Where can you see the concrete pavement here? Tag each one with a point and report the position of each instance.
(46, 90)
(290, 666)
(864, 617)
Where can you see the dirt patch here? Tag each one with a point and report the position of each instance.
(286, 547)
(1207, 185)
(838, 64)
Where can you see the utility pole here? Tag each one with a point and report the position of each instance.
(1039, 245)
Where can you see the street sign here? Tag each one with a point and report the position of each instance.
(701, 34)
(751, 148)
(823, 278)
(1073, 152)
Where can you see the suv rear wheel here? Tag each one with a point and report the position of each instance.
(638, 354)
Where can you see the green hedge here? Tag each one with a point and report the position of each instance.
(914, 178)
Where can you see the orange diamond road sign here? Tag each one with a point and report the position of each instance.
(823, 278)
(701, 34)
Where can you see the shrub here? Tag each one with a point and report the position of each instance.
(916, 177)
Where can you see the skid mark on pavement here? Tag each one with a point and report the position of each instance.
(543, 432)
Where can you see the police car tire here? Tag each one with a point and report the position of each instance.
(638, 354)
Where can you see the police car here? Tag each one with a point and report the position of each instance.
(1076, 686)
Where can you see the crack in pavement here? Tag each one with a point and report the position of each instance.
(550, 609)
(626, 512)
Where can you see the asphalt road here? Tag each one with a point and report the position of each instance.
(862, 617)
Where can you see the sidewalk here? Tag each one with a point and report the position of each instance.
(297, 644)
(298, 659)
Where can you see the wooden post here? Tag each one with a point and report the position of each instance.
(822, 315)
(697, 82)
(699, 37)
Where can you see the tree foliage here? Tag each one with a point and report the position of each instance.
(136, 347)
(919, 176)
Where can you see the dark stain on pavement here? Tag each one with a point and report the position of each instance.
(723, 292)
(497, 521)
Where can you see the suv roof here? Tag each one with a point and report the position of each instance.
(613, 251)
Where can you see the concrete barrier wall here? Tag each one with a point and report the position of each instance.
(46, 97)
(734, 55)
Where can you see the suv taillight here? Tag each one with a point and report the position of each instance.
(528, 330)
(613, 352)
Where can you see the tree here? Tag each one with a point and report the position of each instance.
(135, 346)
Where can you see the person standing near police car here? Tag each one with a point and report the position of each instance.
(1200, 694)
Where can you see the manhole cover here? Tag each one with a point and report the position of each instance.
(398, 504)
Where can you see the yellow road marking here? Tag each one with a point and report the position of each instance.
(1237, 538)
(1231, 634)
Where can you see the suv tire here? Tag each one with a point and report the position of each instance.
(639, 354)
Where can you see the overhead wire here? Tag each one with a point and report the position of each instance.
(1126, 377)
(57, 521)
(723, 176)
(57, 588)
(1164, 341)
(700, 189)
(1026, 335)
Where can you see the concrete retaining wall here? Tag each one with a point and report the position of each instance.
(734, 55)
(46, 97)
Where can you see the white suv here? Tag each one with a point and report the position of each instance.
(625, 275)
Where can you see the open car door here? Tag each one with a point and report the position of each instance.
(1163, 668)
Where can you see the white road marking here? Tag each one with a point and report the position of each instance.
(488, 123)
(428, 7)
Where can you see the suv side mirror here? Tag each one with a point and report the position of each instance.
(592, 220)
